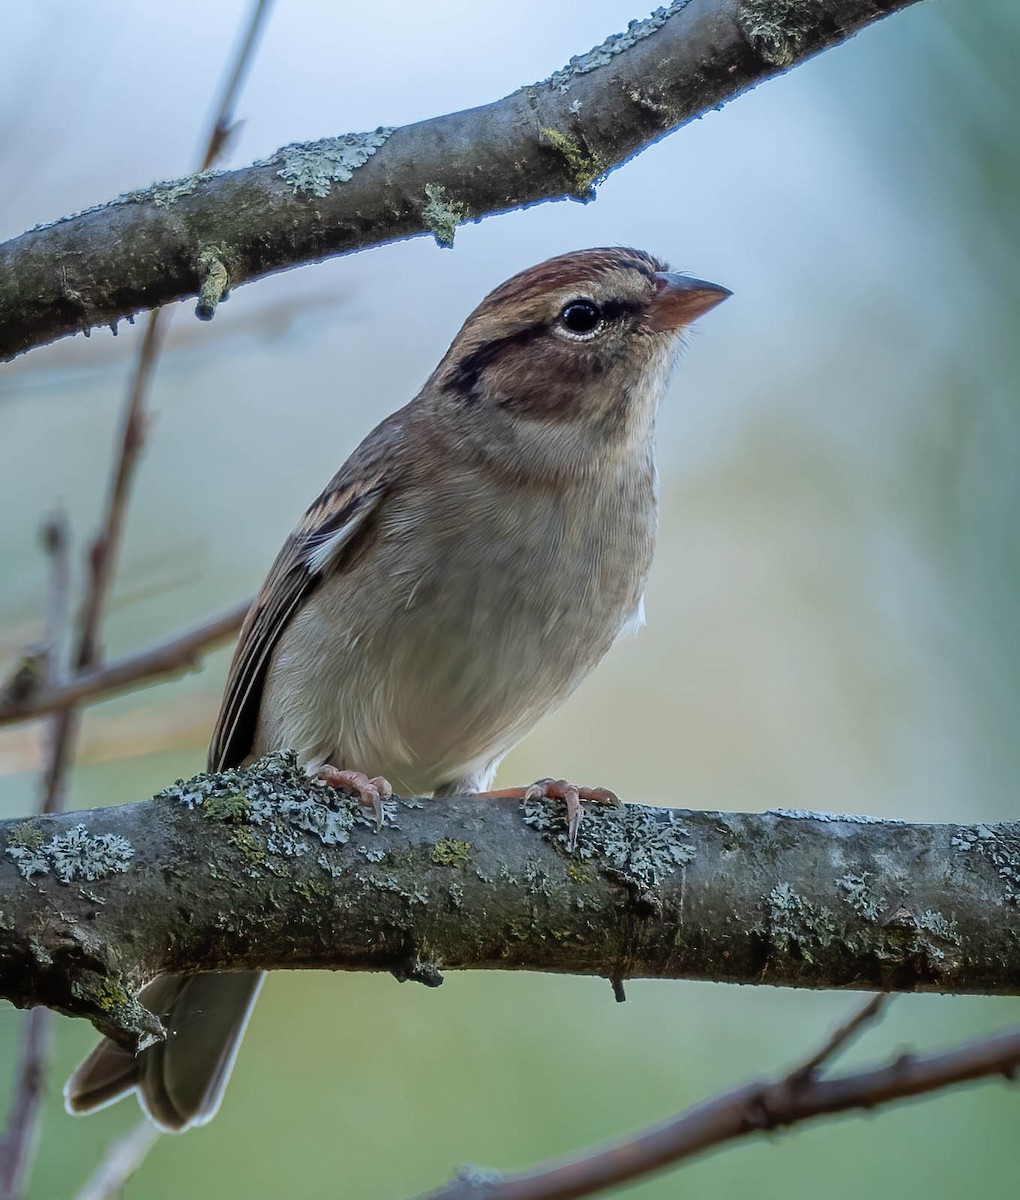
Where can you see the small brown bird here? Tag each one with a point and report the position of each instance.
(459, 576)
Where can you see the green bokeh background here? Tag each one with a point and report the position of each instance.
(833, 621)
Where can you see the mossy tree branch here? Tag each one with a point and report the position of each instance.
(259, 868)
(210, 232)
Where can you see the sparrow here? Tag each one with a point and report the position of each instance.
(458, 577)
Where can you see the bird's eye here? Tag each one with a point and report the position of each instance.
(581, 316)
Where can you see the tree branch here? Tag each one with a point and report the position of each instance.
(552, 140)
(260, 868)
(26, 696)
(753, 1109)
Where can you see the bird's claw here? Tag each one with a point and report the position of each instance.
(371, 792)
(571, 795)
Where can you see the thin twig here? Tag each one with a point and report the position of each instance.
(103, 551)
(755, 1108)
(223, 122)
(127, 1154)
(56, 542)
(840, 1037)
(176, 654)
(17, 1147)
(123, 1157)
(106, 545)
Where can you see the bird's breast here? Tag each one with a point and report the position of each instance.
(478, 611)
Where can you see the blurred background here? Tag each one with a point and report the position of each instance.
(833, 618)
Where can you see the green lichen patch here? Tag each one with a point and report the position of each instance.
(314, 167)
(1000, 845)
(114, 1006)
(641, 847)
(604, 53)
(450, 852)
(584, 170)
(441, 214)
(74, 854)
(251, 845)
(277, 796)
(577, 873)
(233, 808)
(778, 29)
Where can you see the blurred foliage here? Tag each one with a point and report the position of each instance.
(833, 618)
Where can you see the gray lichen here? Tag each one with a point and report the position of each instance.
(313, 167)
(482, 1178)
(276, 795)
(1000, 844)
(215, 281)
(777, 29)
(858, 894)
(163, 194)
(641, 847)
(601, 55)
(794, 925)
(76, 854)
(939, 926)
(809, 814)
(441, 214)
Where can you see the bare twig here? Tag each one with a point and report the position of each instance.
(178, 653)
(106, 545)
(17, 1148)
(103, 551)
(20, 1135)
(754, 1108)
(56, 541)
(840, 1037)
(123, 1157)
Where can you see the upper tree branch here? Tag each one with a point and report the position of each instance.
(552, 140)
(259, 868)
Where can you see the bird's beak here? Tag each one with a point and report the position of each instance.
(679, 300)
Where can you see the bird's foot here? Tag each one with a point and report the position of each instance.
(569, 793)
(371, 792)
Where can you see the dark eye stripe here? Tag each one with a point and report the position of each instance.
(464, 377)
(612, 310)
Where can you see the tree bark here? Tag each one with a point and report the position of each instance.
(206, 233)
(260, 868)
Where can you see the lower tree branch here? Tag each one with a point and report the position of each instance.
(753, 1109)
(259, 868)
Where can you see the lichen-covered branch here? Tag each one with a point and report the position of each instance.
(260, 868)
(210, 232)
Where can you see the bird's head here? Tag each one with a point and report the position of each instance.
(571, 355)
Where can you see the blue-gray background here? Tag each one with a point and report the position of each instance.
(833, 618)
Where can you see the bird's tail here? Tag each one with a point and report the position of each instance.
(180, 1080)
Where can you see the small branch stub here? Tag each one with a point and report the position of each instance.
(215, 284)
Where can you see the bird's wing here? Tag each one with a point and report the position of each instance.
(321, 544)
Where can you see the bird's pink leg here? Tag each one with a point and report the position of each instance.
(559, 789)
(371, 792)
